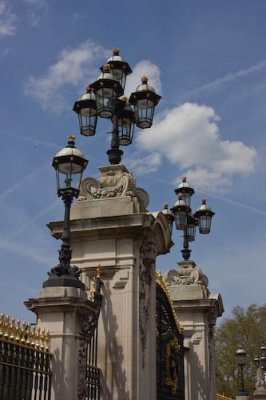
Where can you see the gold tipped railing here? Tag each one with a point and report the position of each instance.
(25, 361)
(12, 330)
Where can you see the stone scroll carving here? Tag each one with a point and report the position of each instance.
(186, 274)
(146, 276)
(115, 181)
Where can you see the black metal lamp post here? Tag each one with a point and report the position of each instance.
(102, 99)
(69, 164)
(241, 357)
(188, 222)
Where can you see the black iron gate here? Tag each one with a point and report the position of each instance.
(170, 349)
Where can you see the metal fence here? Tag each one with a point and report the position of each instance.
(25, 359)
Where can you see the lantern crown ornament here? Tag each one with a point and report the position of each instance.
(186, 190)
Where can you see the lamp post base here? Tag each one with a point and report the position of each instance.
(63, 280)
(114, 155)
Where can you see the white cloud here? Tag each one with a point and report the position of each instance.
(74, 67)
(147, 68)
(144, 165)
(188, 136)
(7, 20)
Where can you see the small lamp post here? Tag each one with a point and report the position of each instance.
(188, 222)
(103, 99)
(241, 360)
(69, 164)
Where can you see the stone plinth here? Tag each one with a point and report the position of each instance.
(61, 311)
(110, 226)
(197, 310)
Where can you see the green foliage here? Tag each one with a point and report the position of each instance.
(247, 329)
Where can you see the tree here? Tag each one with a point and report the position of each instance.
(247, 329)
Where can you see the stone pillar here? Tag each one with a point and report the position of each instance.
(62, 311)
(110, 226)
(197, 310)
(260, 391)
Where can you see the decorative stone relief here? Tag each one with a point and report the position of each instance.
(115, 181)
(146, 276)
(186, 274)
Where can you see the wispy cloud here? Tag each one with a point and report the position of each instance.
(74, 67)
(232, 76)
(7, 20)
(21, 181)
(188, 136)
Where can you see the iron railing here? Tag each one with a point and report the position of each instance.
(25, 359)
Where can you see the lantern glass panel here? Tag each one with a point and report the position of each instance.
(88, 121)
(125, 131)
(190, 232)
(119, 76)
(144, 113)
(187, 198)
(69, 176)
(205, 224)
(180, 220)
(105, 100)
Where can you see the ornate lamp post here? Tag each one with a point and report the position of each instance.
(103, 99)
(69, 164)
(241, 356)
(188, 222)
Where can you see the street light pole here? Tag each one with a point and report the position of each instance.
(241, 355)
(69, 164)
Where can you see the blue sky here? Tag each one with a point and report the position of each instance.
(208, 61)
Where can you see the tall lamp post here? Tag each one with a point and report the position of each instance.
(103, 99)
(185, 220)
(69, 164)
(241, 360)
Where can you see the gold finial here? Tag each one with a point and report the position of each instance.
(2, 321)
(165, 206)
(18, 330)
(12, 329)
(7, 326)
(71, 138)
(144, 79)
(98, 271)
(184, 179)
(124, 98)
(106, 68)
(203, 201)
(116, 51)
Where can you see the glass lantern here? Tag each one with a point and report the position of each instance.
(204, 216)
(120, 68)
(69, 164)
(144, 100)
(125, 123)
(180, 211)
(87, 113)
(186, 191)
(107, 89)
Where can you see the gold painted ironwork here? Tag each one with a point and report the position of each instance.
(222, 397)
(25, 334)
(171, 378)
(162, 283)
(25, 360)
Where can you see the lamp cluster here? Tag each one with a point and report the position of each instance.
(260, 360)
(104, 98)
(185, 220)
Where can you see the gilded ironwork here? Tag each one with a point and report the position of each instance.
(24, 361)
(170, 349)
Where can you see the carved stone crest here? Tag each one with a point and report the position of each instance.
(186, 274)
